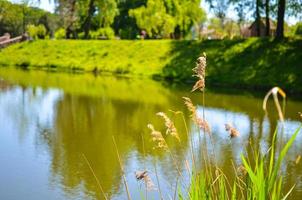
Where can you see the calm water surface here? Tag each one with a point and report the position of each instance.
(49, 121)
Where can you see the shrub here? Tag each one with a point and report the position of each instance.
(298, 29)
(60, 33)
(37, 32)
(102, 33)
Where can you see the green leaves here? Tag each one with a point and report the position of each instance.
(160, 18)
(267, 183)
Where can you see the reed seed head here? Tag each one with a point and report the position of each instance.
(171, 129)
(201, 123)
(157, 137)
(241, 170)
(200, 72)
(143, 176)
(232, 131)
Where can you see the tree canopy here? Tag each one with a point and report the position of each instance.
(155, 18)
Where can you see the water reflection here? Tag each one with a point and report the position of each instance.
(45, 132)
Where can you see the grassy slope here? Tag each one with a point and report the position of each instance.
(260, 63)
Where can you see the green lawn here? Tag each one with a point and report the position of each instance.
(251, 63)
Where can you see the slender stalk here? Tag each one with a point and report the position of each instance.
(190, 141)
(96, 178)
(122, 168)
(145, 168)
(157, 179)
(176, 184)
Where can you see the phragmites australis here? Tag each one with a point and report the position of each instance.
(241, 170)
(201, 123)
(157, 137)
(300, 115)
(232, 131)
(200, 73)
(171, 129)
(143, 175)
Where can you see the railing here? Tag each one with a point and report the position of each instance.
(6, 41)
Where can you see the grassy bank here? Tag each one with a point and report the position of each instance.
(252, 63)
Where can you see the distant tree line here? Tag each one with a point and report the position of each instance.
(130, 19)
(15, 19)
(267, 8)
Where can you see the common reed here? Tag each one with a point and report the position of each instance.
(157, 137)
(122, 169)
(143, 175)
(94, 175)
(201, 123)
(232, 131)
(200, 73)
(171, 129)
(258, 178)
(253, 179)
(274, 92)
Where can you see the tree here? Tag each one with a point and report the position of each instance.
(267, 18)
(280, 19)
(124, 24)
(106, 11)
(220, 8)
(168, 17)
(258, 18)
(67, 11)
(87, 22)
(154, 18)
(13, 18)
(241, 7)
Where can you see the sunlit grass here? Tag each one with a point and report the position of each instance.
(253, 62)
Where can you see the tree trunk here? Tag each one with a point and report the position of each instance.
(267, 20)
(280, 19)
(258, 18)
(70, 19)
(87, 22)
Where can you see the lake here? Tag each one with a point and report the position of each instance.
(51, 122)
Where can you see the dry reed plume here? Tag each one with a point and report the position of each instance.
(298, 159)
(232, 131)
(143, 175)
(157, 137)
(171, 129)
(200, 73)
(274, 92)
(201, 123)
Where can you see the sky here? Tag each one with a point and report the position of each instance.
(46, 5)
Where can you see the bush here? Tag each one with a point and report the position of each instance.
(102, 33)
(60, 34)
(37, 32)
(298, 29)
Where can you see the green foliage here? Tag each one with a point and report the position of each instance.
(12, 17)
(125, 25)
(265, 182)
(102, 33)
(298, 29)
(107, 11)
(60, 33)
(154, 18)
(261, 178)
(36, 32)
(161, 18)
